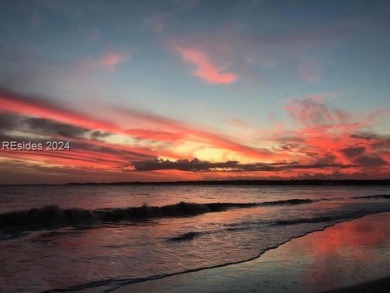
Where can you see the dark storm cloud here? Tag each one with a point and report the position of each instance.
(371, 161)
(183, 165)
(96, 134)
(196, 165)
(328, 159)
(96, 151)
(352, 152)
(9, 122)
(288, 147)
(370, 136)
(52, 127)
(378, 141)
(80, 152)
(82, 148)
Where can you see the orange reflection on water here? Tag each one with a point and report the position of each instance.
(356, 234)
(345, 252)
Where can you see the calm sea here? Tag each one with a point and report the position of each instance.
(101, 237)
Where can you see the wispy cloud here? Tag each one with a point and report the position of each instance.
(328, 141)
(108, 61)
(192, 133)
(311, 111)
(11, 102)
(52, 120)
(205, 68)
(31, 118)
(328, 131)
(310, 70)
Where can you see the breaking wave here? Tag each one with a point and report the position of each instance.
(52, 217)
(49, 217)
(186, 236)
(334, 217)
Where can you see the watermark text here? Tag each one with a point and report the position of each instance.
(20, 146)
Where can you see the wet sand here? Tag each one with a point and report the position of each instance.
(381, 285)
(353, 255)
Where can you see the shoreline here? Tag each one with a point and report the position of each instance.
(256, 274)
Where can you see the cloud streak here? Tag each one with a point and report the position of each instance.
(328, 131)
(176, 130)
(109, 61)
(205, 68)
(24, 105)
(33, 119)
(196, 165)
(309, 70)
(188, 132)
(329, 141)
(311, 112)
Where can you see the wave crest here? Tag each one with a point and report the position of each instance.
(49, 217)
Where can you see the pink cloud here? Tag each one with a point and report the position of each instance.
(310, 70)
(112, 59)
(108, 61)
(330, 142)
(197, 134)
(174, 130)
(311, 112)
(205, 68)
(158, 23)
(328, 132)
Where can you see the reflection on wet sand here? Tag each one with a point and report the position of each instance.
(342, 255)
(345, 253)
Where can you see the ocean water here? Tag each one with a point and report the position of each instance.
(98, 238)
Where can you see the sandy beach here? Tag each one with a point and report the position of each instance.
(381, 285)
(352, 256)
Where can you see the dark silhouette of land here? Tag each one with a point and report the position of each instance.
(253, 182)
(309, 182)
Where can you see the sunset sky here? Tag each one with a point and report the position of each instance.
(195, 90)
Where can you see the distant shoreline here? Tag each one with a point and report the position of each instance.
(310, 182)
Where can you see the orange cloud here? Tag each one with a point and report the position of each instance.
(328, 142)
(29, 106)
(54, 120)
(310, 111)
(204, 67)
(328, 132)
(178, 131)
(191, 133)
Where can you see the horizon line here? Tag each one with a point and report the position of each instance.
(227, 182)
